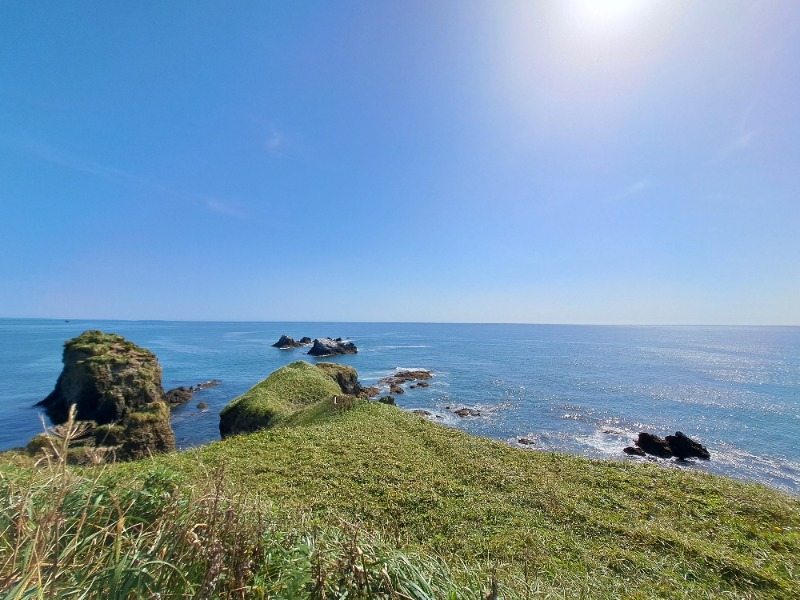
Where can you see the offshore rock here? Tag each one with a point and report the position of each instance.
(182, 395)
(467, 412)
(652, 444)
(685, 447)
(329, 347)
(116, 385)
(679, 445)
(372, 391)
(406, 376)
(286, 342)
(633, 451)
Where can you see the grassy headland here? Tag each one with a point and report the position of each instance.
(364, 497)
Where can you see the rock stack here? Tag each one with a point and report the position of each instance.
(116, 388)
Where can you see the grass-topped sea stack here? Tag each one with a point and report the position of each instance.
(295, 393)
(116, 386)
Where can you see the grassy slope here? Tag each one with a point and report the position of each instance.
(559, 525)
(286, 391)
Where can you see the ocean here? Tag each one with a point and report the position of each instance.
(582, 390)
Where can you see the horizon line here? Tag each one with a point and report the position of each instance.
(563, 324)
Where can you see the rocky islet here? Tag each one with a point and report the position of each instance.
(320, 347)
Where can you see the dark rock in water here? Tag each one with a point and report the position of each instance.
(405, 376)
(387, 400)
(421, 412)
(372, 391)
(467, 412)
(633, 450)
(202, 405)
(329, 347)
(182, 395)
(526, 441)
(394, 381)
(345, 376)
(206, 384)
(286, 342)
(684, 447)
(652, 444)
(116, 385)
(679, 445)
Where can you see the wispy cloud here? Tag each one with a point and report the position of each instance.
(742, 138)
(741, 142)
(224, 208)
(98, 169)
(83, 165)
(275, 141)
(633, 189)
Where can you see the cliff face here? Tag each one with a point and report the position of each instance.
(117, 385)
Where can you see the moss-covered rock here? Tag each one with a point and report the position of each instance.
(346, 377)
(296, 388)
(106, 377)
(117, 385)
(147, 432)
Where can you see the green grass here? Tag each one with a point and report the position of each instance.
(149, 532)
(546, 523)
(95, 342)
(289, 390)
(351, 498)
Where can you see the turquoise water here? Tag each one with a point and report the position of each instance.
(578, 389)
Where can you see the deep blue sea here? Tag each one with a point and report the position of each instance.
(580, 389)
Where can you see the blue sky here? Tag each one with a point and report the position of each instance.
(572, 161)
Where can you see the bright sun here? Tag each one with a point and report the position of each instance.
(606, 16)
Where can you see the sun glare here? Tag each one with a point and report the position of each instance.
(605, 16)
